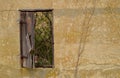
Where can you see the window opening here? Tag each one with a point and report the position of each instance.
(36, 35)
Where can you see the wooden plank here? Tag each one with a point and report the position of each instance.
(29, 38)
(26, 24)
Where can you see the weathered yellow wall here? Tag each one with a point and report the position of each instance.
(72, 18)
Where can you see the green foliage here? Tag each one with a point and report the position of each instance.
(43, 39)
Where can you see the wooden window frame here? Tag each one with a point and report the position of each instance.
(36, 10)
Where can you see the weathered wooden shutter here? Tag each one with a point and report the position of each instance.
(27, 38)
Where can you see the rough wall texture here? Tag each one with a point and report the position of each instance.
(86, 36)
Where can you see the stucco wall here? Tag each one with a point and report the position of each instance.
(95, 23)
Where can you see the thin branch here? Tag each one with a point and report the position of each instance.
(84, 36)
